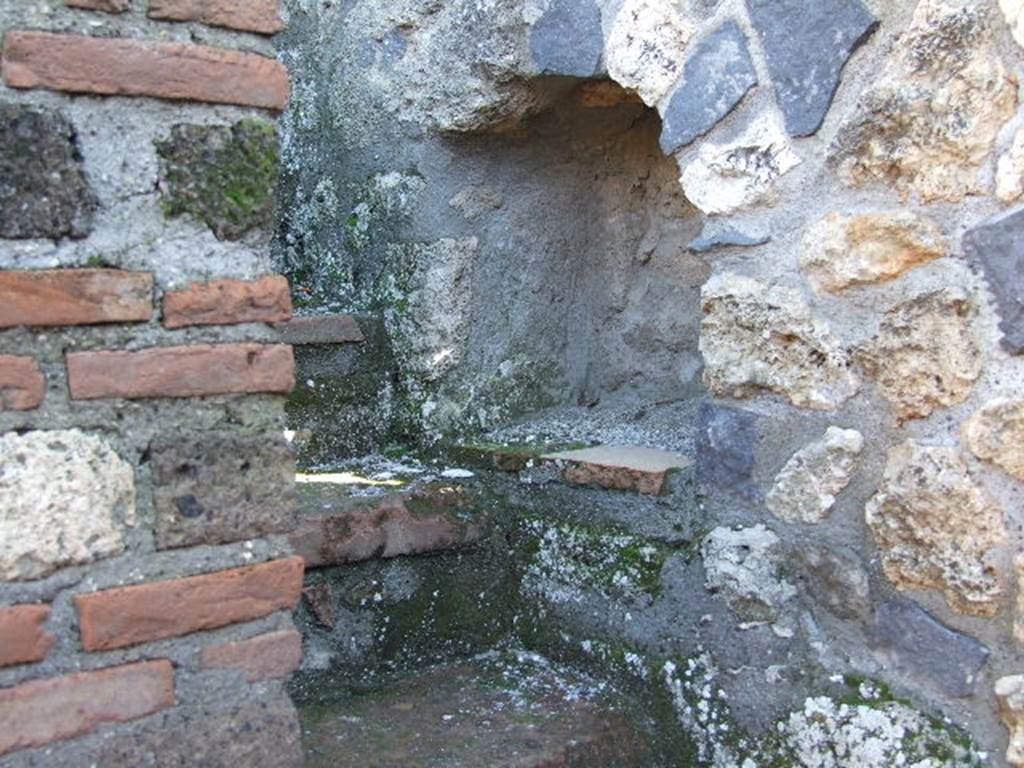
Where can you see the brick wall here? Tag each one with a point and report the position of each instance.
(145, 584)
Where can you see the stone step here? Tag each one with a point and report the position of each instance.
(336, 527)
(620, 468)
(497, 711)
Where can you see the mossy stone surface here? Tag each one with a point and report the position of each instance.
(222, 175)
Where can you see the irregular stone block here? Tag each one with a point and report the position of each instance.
(1010, 171)
(996, 433)
(843, 251)
(66, 498)
(929, 124)
(806, 46)
(54, 297)
(272, 656)
(936, 529)
(262, 16)
(222, 175)
(398, 525)
(712, 238)
(717, 75)
(22, 384)
(620, 468)
(107, 6)
(44, 192)
(126, 616)
(757, 337)
(744, 566)
(1010, 695)
(1018, 619)
(723, 178)
(997, 247)
(916, 643)
(43, 711)
(22, 637)
(221, 488)
(806, 488)
(925, 355)
(127, 67)
(228, 302)
(1013, 10)
(568, 39)
(646, 47)
(202, 370)
(727, 441)
(837, 579)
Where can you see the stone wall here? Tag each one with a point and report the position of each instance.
(852, 223)
(145, 589)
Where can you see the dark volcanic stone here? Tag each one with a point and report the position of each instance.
(499, 713)
(716, 77)
(221, 488)
(568, 39)
(725, 238)
(916, 643)
(806, 45)
(997, 247)
(726, 448)
(222, 175)
(43, 191)
(836, 580)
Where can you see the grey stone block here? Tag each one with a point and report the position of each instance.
(727, 237)
(568, 39)
(806, 45)
(716, 77)
(43, 189)
(835, 579)
(916, 643)
(221, 488)
(997, 248)
(726, 449)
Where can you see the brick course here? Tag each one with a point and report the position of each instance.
(227, 302)
(22, 637)
(117, 618)
(263, 16)
(267, 657)
(53, 297)
(201, 370)
(22, 384)
(44, 711)
(121, 67)
(107, 6)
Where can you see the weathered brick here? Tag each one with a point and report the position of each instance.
(262, 16)
(51, 297)
(22, 384)
(222, 487)
(271, 656)
(122, 67)
(321, 329)
(623, 468)
(117, 618)
(22, 637)
(227, 302)
(107, 6)
(197, 371)
(426, 520)
(44, 711)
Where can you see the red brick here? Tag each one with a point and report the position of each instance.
(621, 468)
(22, 637)
(267, 657)
(117, 618)
(44, 711)
(226, 302)
(107, 6)
(247, 15)
(22, 384)
(123, 67)
(205, 369)
(51, 297)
